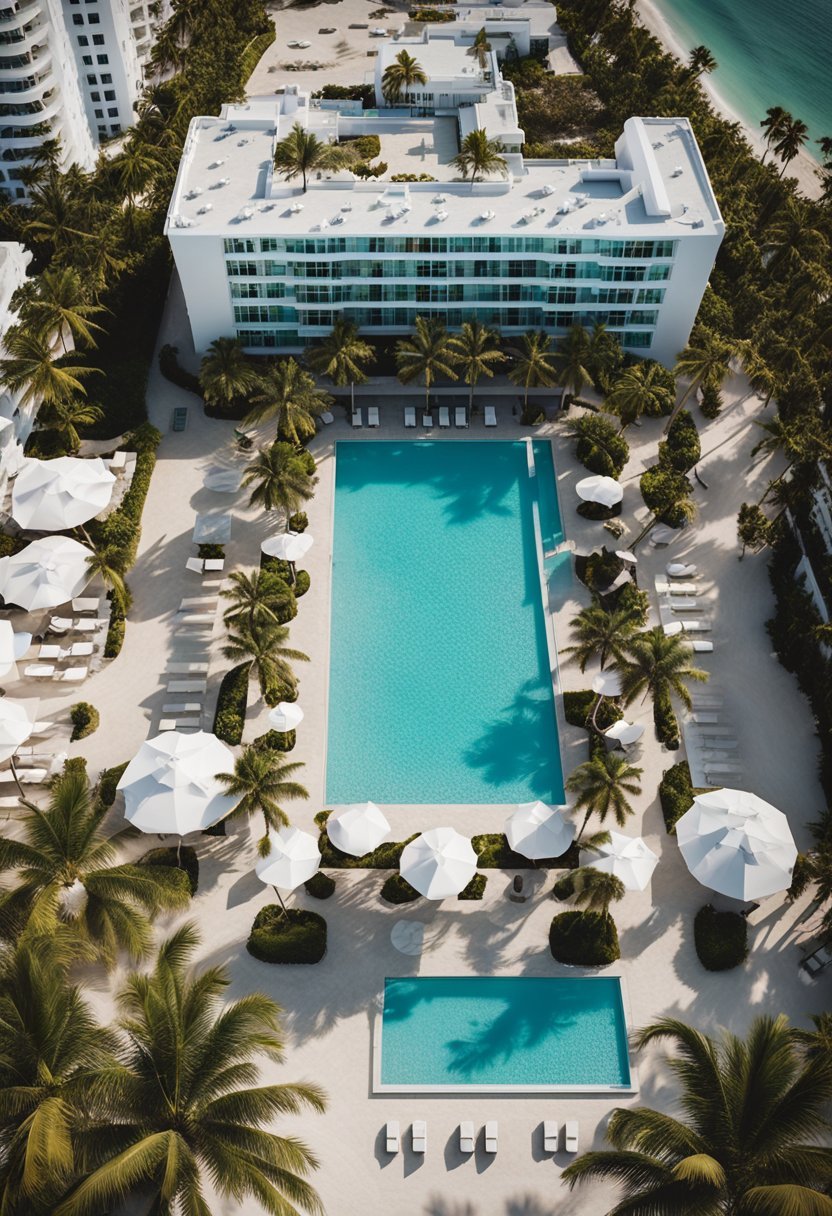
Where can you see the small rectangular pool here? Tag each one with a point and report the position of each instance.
(514, 1033)
(440, 689)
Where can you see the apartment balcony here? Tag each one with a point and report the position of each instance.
(19, 13)
(48, 105)
(33, 89)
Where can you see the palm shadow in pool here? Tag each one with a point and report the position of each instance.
(521, 745)
(519, 1028)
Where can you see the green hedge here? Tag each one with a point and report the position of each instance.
(681, 450)
(108, 781)
(385, 857)
(721, 938)
(664, 721)
(294, 936)
(255, 51)
(302, 582)
(85, 720)
(115, 630)
(320, 886)
(397, 890)
(475, 888)
(182, 859)
(276, 740)
(662, 488)
(232, 699)
(600, 447)
(365, 147)
(584, 939)
(493, 853)
(676, 794)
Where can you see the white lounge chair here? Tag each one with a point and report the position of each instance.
(182, 707)
(205, 619)
(720, 743)
(195, 565)
(697, 624)
(327, 417)
(60, 624)
(427, 422)
(444, 417)
(117, 462)
(491, 1136)
(718, 769)
(550, 1136)
(180, 724)
(710, 731)
(680, 570)
(466, 1137)
(490, 415)
(706, 700)
(86, 605)
(571, 1136)
(705, 719)
(419, 1136)
(214, 565)
(391, 1136)
(49, 651)
(187, 686)
(185, 669)
(666, 586)
(40, 671)
(409, 415)
(88, 624)
(356, 419)
(460, 416)
(30, 776)
(74, 675)
(685, 603)
(703, 647)
(80, 650)
(372, 415)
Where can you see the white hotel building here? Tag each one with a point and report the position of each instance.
(629, 242)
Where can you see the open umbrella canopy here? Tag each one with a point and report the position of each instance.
(292, 859)
(603, 490)
(15, 727)
(286, 715)
(439, 863)
(537, 830)
(358, 829)
(13, 646)
(625, 732)
(171, 784)
(50, 495)
(45, 574)
(737, 844)
(607, 683)
(288, 546)
(627, 857)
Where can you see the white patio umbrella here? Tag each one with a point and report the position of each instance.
(358, 829)
(627, 556)
(627, 857)
(286, 715)
(624, 732)
(288, 546)
(607, 684)
(15, 727)
(292, 859)
(13, 646)
(537, 830)
(50, 495)
(171, 786)
(439, 863)
(737, 844)
(603, 490)
(45, 574)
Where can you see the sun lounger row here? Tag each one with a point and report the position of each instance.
(467, 1137)
(206, 565)
(65, 624)
(48, 671)
(372, 417)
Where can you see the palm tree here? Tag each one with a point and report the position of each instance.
(342, 356)
(66, 875)
(184, 1104)
(134, 167)
(793, 240)
(400, 76)
(705, 360)
(761, 376)
(701, 60)
(289, 394)
(226, 375)
(477, 352)
(64, 417)
(604, 352)
(573, 357)
(638, 390)
(301, 152)
(260, 596)
(261, 645)
(480, 48)
(55, 302)
(749, 1138)
(107, 563)
(262, 779)
(774, 125)
(280, 480)
(602, 634)
(428, 353)
(601, 785)
(534, 363)
(479, 155)
(29, 369)
(657, 665)
(793, 136)
(593, 890)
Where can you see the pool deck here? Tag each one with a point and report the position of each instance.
(330, 1010)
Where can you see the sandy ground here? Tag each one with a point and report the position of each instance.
(804, 167)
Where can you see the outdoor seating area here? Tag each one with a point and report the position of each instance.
(469, 1137)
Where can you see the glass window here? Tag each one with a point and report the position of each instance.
(95, 96)
(94, 19)
(112, 112)
(103, 58)
(92, 80)
(98, 39)
(110, 95)
(77, 19)
(87, 59)
(83, 40)
(115, 128)
(106, 77)
(99, 113)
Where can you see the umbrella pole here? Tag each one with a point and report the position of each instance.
(595, 711)
(14, 775)
(280, 900)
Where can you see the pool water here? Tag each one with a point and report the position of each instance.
(440, 688)
(510, 1032)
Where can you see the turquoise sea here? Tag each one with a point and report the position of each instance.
(769, 54)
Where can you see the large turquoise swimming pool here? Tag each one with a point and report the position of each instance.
(498, 1033)
(440, 688)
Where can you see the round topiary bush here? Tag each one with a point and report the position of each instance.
(85, 719)
(320, 885)
(475, 888)
(584, 939)
(301, 584)
(293, 936)
(298, 522)
(183, 859)
(721, 938)
(397, 890)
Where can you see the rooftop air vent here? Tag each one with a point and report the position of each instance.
(677, 171)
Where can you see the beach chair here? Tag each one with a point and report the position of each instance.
(490, 415)
(180, 724)
(85, 605)
(80, 650)
(117, 462)
(571, 1136)
(49, 652)
(60, 624)
(460, 416)
(718, 769)
(491, 1136)
(30, 776)
(427, 422)
(665, 586)
(203, 619)
(185, 669)
(550, 1136)
(372, 415)
(88, 624)
(705, 719)
(409, 415)
(327, 418)
(680, 570)
(181, 686)
(419, 1136)
(74, 675)
(391, 1136)
(195, 565)
(466, 1137)
(40, 671)
(356, 419)
(685, 603)
(444, 417)
(697, 625)
(721, 743)
(815, 962)
(182, 707)
(703, 647)
(214, 565)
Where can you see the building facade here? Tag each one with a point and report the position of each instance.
(16, 418)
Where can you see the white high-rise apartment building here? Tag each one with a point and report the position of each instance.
(70, 69)
(629, 241)
(16, 418)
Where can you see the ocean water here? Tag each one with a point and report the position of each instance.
(512, 1030)
(769, 54)
(439, 689)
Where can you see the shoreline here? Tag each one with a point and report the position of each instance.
(804, 167)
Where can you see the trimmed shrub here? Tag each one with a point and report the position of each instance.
(578, 706)
(302, 583)
(397, 890)
(600, 569)
(712, 401)
(597, 512)
(475, 888)
(215, 552)
(682, 449)
(584, 939)
(276, 740)
(676, 794)
(664, 720)
(662, 488)
(232, 699)
(533, 414)
(600, 448)
(721, 938)
(349, 92)
(170, 369)
(365, 147)
(802, 877)
(298, 522)
(320, 886)
(255, 51)
(115, 630)
(75, 764)
(412, 177)
(85, 719)
(108, 781)
(493, 853)
(293, 936)
(385, 857)
(184, 859)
